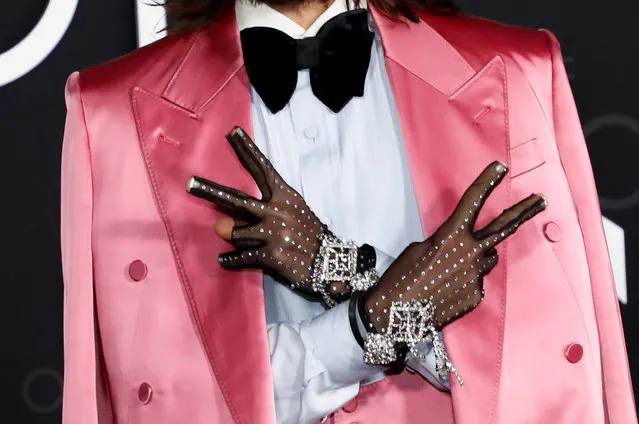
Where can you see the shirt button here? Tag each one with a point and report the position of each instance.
(574, 353)
(137, 270)
(145, 393)
(552, 231)
(310, 133)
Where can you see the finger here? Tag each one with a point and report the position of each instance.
(253, 160)
(223, 196)
(489, 261)
(510, 220)
(471, 291)
(239, 259)
(463, 300)
(502, 221)
(247, 237)
(475, 196)
(224, 228)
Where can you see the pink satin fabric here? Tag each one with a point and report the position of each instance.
(176, 338)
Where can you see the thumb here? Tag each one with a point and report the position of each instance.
(224, 228)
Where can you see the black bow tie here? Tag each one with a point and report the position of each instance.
(337, 57)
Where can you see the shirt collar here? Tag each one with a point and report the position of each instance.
(252, 14)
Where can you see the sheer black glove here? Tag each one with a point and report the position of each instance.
(448, 268)
(283, 236)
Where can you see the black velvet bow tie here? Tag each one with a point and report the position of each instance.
(337, 57)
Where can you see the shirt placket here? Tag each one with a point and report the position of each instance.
(314, 150)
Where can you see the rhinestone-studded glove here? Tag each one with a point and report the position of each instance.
(437, 281)
(283, 236)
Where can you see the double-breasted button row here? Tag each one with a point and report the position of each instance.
(574, 351)
(137, 271)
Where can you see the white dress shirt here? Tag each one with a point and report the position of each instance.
(351, 169)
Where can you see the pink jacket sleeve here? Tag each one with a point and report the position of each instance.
(85, 399)
(576, 163)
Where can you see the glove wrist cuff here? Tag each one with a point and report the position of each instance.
(409, 324)
(342, 261)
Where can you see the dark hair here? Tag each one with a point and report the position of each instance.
(186, 16)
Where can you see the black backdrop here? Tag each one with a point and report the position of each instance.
(600, 45)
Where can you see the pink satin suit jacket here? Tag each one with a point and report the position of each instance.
(157, 332)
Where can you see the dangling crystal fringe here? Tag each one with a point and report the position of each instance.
(443, 365)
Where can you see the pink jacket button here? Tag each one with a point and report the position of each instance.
(574, 353)
(137, 270)
(145, 393)
(553, 232)
(351, 406)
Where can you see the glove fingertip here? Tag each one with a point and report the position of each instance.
(229, 261)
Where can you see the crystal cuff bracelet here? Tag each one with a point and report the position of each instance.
(337, 262)
(409, 324)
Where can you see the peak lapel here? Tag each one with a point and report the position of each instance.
(181, 133)
(454, 122)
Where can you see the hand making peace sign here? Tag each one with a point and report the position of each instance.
(283, 235)
(448, 268)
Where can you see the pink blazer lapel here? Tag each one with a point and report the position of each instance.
(181, 134)
(454, 121)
